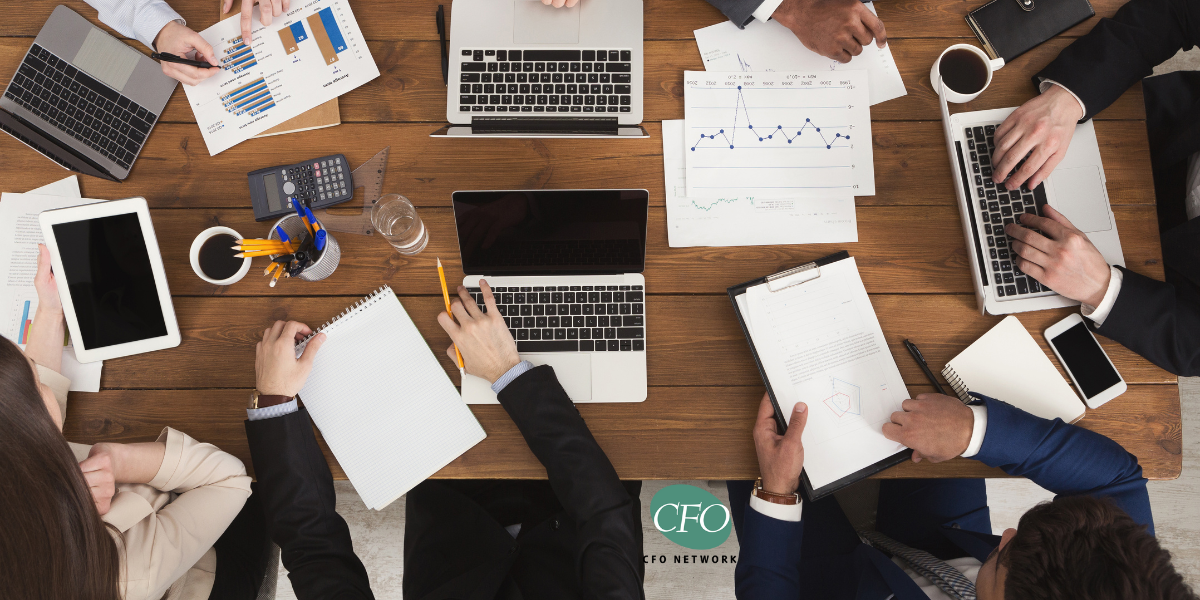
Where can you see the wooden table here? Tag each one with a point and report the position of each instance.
(704, 387)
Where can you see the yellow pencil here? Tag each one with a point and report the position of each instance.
(276, 277)
(282, 248)
(446, 297)
(258, 253)
(271, 268)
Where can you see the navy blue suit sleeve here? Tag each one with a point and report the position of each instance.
(740, 12)
(769, 563)
(1064, 458)
(1151, 318)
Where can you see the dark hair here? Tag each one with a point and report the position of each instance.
(54, 545)
(1087, 548)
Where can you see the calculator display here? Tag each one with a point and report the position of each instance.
(272, 184)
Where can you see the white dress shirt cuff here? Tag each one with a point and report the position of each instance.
(151, 18)
(1045, 85)
(783, 512)
(978, 429)
(518, 370)
(765, 10)
(269, 412)
(1100, 312)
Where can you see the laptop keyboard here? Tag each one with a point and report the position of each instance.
(80, 106)
(572, 318)
(999, 207)
(545, 81)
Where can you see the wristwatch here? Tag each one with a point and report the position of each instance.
(788, 499)
(258, 400)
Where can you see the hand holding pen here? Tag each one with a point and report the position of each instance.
(177, 41)
(483, 338)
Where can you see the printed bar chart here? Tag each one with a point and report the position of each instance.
(292, 36)
(22, 337)
(327, 33)
(250, 99)
(238, 57)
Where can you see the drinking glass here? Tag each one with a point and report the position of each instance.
(394, 217)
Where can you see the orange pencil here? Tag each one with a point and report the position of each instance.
(446, 297)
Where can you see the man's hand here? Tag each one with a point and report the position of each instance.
(560, 3)
(1063, 259)
(836, 29)
(98, 470)
(487, 347)
(181, 41)
(1042, 129)
(936, 427)
(780, 457)
(266, 10)
(278, 371)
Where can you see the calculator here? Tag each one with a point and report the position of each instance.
(321, 181)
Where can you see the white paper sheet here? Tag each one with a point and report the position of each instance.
(18, 251)
(778, 134)
(747, 220)
(305, 58)
(772, 47)
(820, 343)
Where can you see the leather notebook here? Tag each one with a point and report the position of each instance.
(1009, 28)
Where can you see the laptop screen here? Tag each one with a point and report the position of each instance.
(552, 232)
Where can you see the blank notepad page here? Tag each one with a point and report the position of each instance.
(382, 401)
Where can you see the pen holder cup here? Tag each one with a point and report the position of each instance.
(325, 261)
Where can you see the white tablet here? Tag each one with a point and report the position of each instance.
(110, 279)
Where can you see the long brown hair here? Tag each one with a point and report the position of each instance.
(53, 545)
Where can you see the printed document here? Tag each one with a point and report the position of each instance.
(820, 343)
(747, 220)
(310, 55)
(772, 47)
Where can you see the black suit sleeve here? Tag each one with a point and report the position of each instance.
(297, 496)
(609, 556)
(740, 12)
(1151, 318)
(1120, 51)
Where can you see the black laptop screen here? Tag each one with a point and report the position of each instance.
(552, 232)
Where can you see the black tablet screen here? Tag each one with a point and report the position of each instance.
(111, 283)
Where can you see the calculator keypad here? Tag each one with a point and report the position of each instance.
(321, 181)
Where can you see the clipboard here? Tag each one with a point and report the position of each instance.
(783, 280)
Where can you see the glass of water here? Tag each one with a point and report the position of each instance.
(394, 217)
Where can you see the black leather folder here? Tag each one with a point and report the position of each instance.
(1009, 28)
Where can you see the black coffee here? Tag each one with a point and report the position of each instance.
(963, 71)
(217, 258)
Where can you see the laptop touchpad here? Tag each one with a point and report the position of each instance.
(1079, 194)
(536, 23)
(574, 371)
(106, 59)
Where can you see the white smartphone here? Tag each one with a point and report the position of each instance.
(1090, 369)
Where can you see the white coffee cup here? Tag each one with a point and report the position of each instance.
(195, 256)
(935, 75)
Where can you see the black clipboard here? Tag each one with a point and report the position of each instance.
(806, 488)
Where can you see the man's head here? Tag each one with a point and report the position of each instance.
(1079, 547)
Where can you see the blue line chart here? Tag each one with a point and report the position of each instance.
(740, 104)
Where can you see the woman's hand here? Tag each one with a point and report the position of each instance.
(44, 344)
(99, 471)
(46, 284)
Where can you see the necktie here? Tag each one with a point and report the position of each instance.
(945, 577)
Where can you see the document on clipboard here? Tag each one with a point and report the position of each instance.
(816, 339)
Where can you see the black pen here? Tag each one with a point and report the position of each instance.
(917, 356)
(444, 45)
(171, 58)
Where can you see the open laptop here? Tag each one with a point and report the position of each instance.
(83, 98)
(519, 68)
(1076, 188)
(566, 268)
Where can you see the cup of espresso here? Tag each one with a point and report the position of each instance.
(962, 72)
(213, 257)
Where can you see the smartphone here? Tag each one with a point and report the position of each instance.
(1090, 369)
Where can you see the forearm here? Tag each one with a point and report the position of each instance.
(137, 463)
(140, 19)
(46, 336)
(1149, 318)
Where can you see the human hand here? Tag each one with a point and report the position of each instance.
(1042, 129)
(46, 285)
(780, 457)
(277, 370)
(266, 10)
(487, 347)
(1063, 259)
(560, 3)
(836, 29)
(181, 41)
(98, 471)
(935, 426)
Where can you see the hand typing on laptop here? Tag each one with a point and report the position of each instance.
(837, 29)
(1041, 130)
(1061, 257)
(487, 346)
(180, 40)
(560, 3)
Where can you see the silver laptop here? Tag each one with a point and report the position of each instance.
(1076, 188)
(519, 68)
(566, 268)
(83, 98)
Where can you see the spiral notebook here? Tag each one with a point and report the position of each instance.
(1007, 364)
(382, 401)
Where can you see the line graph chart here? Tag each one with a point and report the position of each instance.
(778, 134)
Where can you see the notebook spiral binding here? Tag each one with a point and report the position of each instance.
(960, 388)
(367, 300)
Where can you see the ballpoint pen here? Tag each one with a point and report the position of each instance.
(441, 25)
(446, 297)
(920, 358)
(171, 58)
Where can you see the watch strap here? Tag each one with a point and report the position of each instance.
(265, 401)
(785, 499)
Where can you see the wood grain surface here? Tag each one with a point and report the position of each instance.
(704, 386)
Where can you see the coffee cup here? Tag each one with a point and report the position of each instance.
(213, 259)
(962, 72)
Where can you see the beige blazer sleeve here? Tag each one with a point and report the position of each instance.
(57, 384)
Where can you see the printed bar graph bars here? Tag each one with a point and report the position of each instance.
(23, 337)
(249, 99)
(292, 36)
(238, 57)
(328, 35)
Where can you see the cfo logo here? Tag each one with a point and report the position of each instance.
(691, 517)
